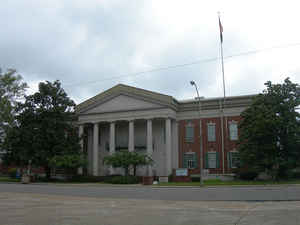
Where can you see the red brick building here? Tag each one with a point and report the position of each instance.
(219, 146)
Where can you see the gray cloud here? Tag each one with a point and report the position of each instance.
(87, 43)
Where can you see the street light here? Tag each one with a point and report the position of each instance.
(200, 132)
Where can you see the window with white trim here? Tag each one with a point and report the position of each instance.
(233, 159)
(211, 132)
(189, 132)
(233, 131)
(212, 160)
(190, 160)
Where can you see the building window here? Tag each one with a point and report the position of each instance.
(190, 160)
(189, 132)
(212, 160)
(233, 131)
(211, 132)
(233, 159)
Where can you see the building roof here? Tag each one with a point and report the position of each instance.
(167, 100)
(128, 90)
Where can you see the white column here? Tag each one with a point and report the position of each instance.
(80, 133)
(95, 148)
(175, 139)
(168, 147)
(112, 142)
(149, 144)
(131, 136)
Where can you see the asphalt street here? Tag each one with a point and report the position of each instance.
(249, 193)
(37, 209)
(91, 204)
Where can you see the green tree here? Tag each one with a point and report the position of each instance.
(139, 160)
(127, 160)
(270, 130)
(69, 162)
(44, 130)
(12, 89)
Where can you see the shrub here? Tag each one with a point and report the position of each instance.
(296, 175)
(12, 172)
(248, 175)
(107, 179)
(86, 179)
(195, 179)
(124, 180)
(170, 178)
(45, 179)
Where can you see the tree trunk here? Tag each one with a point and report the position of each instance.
(134, 170)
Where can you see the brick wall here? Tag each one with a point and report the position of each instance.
(215, 146)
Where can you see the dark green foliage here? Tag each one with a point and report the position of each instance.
(107, 179)
(170, 178)
(270, 130)
(248, 175)
(44, 133)
(86, 179)
(296, 175)
(124, 180)
(195, 179)
(51, 179)
(69, 162)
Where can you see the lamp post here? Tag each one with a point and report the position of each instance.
(200, 132)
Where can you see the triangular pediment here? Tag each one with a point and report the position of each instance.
(125, 98)
(122, 103)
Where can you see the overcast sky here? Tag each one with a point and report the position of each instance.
(92, 45)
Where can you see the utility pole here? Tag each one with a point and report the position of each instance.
(200, 133)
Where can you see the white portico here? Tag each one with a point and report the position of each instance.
(128, 118)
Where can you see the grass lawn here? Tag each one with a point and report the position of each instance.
(234, 182)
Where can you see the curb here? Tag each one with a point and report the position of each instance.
(155, 186)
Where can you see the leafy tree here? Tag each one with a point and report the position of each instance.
(127, 160)
(68, 162)
(44, 130)
(270, 130)
(12, 89)
(139, 160)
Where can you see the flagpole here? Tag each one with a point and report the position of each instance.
(222, 59)
(224, 96)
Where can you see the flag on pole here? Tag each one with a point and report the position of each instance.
(221, 30)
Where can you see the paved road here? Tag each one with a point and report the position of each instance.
(267, 193)
(45, 204)
(37, 209)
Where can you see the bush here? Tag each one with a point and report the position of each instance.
(107, 179)
(195, 179)
(86, 179)
(296, 175)
(170, 178)
(248, 175)
(12, 172)
(124, 180)
(45, 179)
